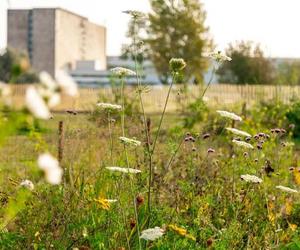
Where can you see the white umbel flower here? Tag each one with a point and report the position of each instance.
(50, 166)
(242, 144)
(129, 141)
(36, 104)
(27, 184)
(219, 57)
(66, 83)
(124, 170)
(121, 72)
(238, 132)
(109, 106)
(47, 81)
(251, 178)
(152, 233)
(135, 14)
(229, 115)
(287, 189)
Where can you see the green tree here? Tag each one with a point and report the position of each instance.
(173, 29)
(15, 68)
(248, 65)
(288, 73)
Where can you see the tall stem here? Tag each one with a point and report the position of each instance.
(110, 137)
(163, 113)
(127, 160)
(144, 121)
(209, 82)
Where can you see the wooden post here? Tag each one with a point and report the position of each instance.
(60, 140)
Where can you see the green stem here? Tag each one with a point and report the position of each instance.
(110, 137)
(163, 113)
(209, 82)
(145, 123)
(127, 160)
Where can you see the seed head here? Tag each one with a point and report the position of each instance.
(177, 64)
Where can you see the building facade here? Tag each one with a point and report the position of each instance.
(55, 39)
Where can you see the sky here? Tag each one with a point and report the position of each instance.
(272, 23)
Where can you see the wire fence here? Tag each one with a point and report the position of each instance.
(217, 94)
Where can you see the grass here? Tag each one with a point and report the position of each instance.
(199, 192)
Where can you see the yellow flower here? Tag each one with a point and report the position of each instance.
(181, 231)
(103, 203)
(293, 227)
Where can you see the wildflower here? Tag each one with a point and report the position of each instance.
(27, 184)
(139, 200)
(287, 189)
(206, 136)
(36, 104)
(47, 81)
(219, 57)
(5, 93)
(251, 178)
(210, 150)
(66, 83)
(177, 64)
(135, 14)
(238, 132)
(152, 233)
(50, 166)
(242, 144)
(229, 115)
(129, 141)
(109, 107)
(104, 203)
(121, 72)
(124, 170)
(181, 231)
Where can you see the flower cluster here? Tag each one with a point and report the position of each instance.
(124, 170)
(122, 72)
(109, 107)
(286, 189)
(229, 115)
(152, 233)
(51, 168)
(251, 178)
(242, 144)
(104, 203)
(129, 141)
(27, 184)
(46, 95)
(181, 231)
(219, 57)
(177, 64)
(135, 14)
(238, 132)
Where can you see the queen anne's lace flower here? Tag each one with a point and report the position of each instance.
(121, 72)
(242, 144)
(251, 178)
(177, 64)
(152, 233)
(135, 14)
(109, 106)
(238, 132)
(129, 141)
(219, 56)
(50, 166)
(124, 170)
(36, 104)
(229, 115)
(287, 189)
(66, 83)
(27, 184)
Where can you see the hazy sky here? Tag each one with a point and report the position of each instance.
(273, 23)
